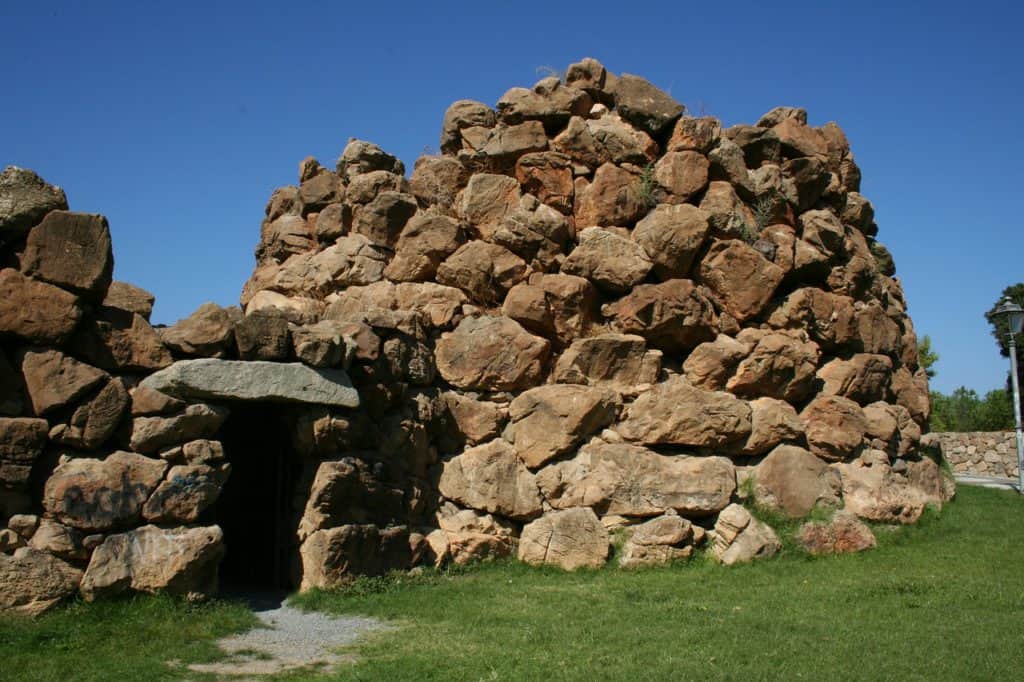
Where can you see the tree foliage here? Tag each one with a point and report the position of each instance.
(999, 329)
(926, 357)
(963, 410)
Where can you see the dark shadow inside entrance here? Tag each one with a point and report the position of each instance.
(255, 509)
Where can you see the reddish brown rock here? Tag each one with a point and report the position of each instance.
(864, 378)
(186, 493)
(824, 231)
(351, 261)
(835, 427)
(876, 331)
(772, 422)
(609, 259)
(673, 316)
(491, 478)
(36, 312)
(911, 392)
(22, 440)
(558, 307)
(491, 354)
(828, 318)
(549, 102)
(607, 139)
(873, 491)
(476, 421)
(361, 157)
(844, 534)
(367, 187)
(681, 175)
(810, 178)
(437, 180)
(613, 198)
(426, 240)
(54, 379)
(124, 296)
(321, 189)
(263, 335)
(484, 271)
(621, 362)
(334, 556)
(711, 363)
(678, 413)
(794, 481)
(97, 495)
(672, 236)
(150, 434)
(498, 148)
(547, 176)
(633, 481)
(381, 221)
(798, 139)
(208, 332)
(96, 420)
(742, 279)
(778, 366)
(644, 105)
(72, 251)
(535, 232)
(730, 218)
(120, 341)
(147, 402)
(695, 134)
(285, 236)
(570, 539)
(25, 198)
(463, 114)
(549, 421)
(486, 200)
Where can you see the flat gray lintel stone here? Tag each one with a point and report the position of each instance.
(254, 381)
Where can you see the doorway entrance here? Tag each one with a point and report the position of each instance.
(256, 507)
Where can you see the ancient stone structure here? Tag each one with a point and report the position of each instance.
(591, 314)
(978, 453)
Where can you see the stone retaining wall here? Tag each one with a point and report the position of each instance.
(979, 453)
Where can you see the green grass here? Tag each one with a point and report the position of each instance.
(942, 600)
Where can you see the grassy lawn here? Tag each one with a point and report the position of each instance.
(943, 600)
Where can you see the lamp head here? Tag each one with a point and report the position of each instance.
(1012, 313)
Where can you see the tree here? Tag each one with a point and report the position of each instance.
(926, 357)
(1001, 333)
(963, 411)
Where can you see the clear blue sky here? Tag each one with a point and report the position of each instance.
(177, 119)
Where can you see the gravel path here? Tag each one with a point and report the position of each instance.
(290, 639)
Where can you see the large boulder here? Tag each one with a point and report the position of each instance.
(21, 443)
(94, 421)
(672, 236)
(864, 378)
(491, 478)
(678, 413)
(462, 114)
(569, 539)
(738, 537)
(559, 307)
(120, 341)
(742, 279)
(263, 335)
(550, 101)
(772, 422)
(34, 581)
(475, 421)
(187, 492)
(25, 198)
(177, 561)
(609, 259)
(73, 251)
(348, 491)
(487, 199)
(473, 536)
(673, 316)
(659, 541)
(778, 366)
(491, 354)
(334, 556)
(208, 332)
(607, 139)
(712, 363)
(547, 176)
(620, 362)
(36, 312)
(644, 105)
(616, 478)
(551, 420)
(125, 296)
(484, 271)
(54, 380)
(615, 197)
(874, 491)
(150, 434)
(835, 427)
(844, 534)
(254, 381)
(101, 494)
(425, 241)
(794, 481)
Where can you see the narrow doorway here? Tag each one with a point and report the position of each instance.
(255, 509)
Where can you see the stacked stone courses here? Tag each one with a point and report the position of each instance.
(590, 314)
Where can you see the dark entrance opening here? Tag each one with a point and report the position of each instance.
(255, 509)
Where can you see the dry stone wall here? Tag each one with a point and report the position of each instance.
(978, 453)
(591, 313)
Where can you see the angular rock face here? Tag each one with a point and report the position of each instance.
(35, 581)
(634, 481)
(569, 539)
(576, 317)
(179, 561)
(844, 534)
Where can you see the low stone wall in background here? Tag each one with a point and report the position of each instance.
(979, 453)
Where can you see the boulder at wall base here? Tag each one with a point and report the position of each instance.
(873, 491)
(738, 537)
(97, 495)
(569, 539)
(333, 556)
(32, 581)
(254, 381)
(844, 534)
(794, 481)
(178, 561)
(659, 541)
(473, 536)
(491, 478)
(616, 478)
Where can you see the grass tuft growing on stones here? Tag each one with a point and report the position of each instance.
(940, 600)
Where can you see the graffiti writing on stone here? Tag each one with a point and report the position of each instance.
(104, 507)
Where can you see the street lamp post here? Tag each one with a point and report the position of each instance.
(1014, 315)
